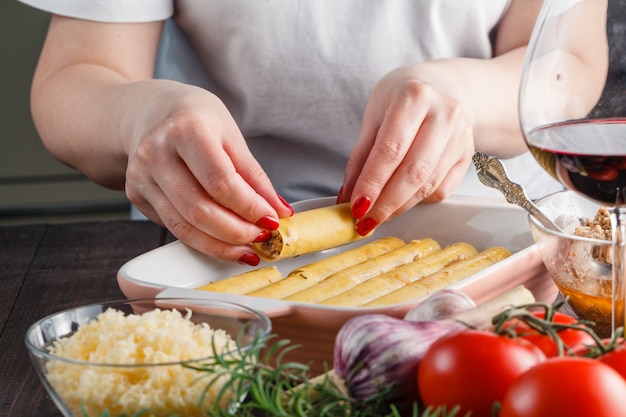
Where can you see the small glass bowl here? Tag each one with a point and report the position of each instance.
(154, 385)
(575, 263)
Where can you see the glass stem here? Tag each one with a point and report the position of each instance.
(618, 224)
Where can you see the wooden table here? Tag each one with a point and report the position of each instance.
(47, 268)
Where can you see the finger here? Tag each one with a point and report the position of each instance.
(449, 184)
(213, 167)
(156, 205)
(192, 202)
(393, 140)
(142, 205)
(415, 178)
(441, 145)
(444, 181)
(253, 174)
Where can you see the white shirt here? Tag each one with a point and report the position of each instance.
(296, 75)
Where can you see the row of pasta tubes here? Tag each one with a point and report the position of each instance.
(383, 272)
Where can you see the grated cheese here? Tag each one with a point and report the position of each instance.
(154, 337)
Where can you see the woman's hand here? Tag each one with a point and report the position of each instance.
(415, 145)
(190, 170)
(423, 121)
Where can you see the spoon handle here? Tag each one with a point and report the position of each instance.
(492, 173)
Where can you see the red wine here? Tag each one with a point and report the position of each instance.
(587, 156)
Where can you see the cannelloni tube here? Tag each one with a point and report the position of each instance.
(350, 277)
(309, 275)
(245, 282)
(443, 278)
(364, 292)
(310, 231)
(375, 287)
(321, 269)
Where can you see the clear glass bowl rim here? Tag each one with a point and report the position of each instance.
(266, 322)
(563, 235)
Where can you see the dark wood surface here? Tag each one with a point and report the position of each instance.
(47, 268)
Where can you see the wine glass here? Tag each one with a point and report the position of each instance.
(572, 108)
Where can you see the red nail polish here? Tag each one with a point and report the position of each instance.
(251, 259)
(264, 236)
(267, 222)
(286, 204)
(339, 194)
(365, 226)
(360, 207)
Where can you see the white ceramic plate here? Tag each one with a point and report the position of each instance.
(174, 270)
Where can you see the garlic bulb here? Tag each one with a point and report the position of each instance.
(374, 351)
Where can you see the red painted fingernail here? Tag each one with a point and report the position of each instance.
(264, 236)
(339, 195)
(360, 207)
(365, 226)
(267, 222)
(251, 259)
(286, 204)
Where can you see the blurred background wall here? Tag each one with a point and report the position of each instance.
(34, 187)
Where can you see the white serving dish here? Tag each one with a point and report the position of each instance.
(174, 270)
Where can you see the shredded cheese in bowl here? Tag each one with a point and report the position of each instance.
(121, 364)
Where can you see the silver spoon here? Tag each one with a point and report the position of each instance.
(492, 173)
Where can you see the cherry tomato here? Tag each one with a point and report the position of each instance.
(572, 338)
(566, 386)
(473, 369)
(616, 359)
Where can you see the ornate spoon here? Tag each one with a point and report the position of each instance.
(492, 173)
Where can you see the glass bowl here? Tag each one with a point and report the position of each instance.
(580, 266)
(141, 357)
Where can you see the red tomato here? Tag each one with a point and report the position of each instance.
(616, 359)
(566, 386)
(572, 338)
(473, 369)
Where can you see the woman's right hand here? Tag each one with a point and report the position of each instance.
(189, 169)
(174, 147)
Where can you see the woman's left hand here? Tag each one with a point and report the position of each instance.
(415, 145)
